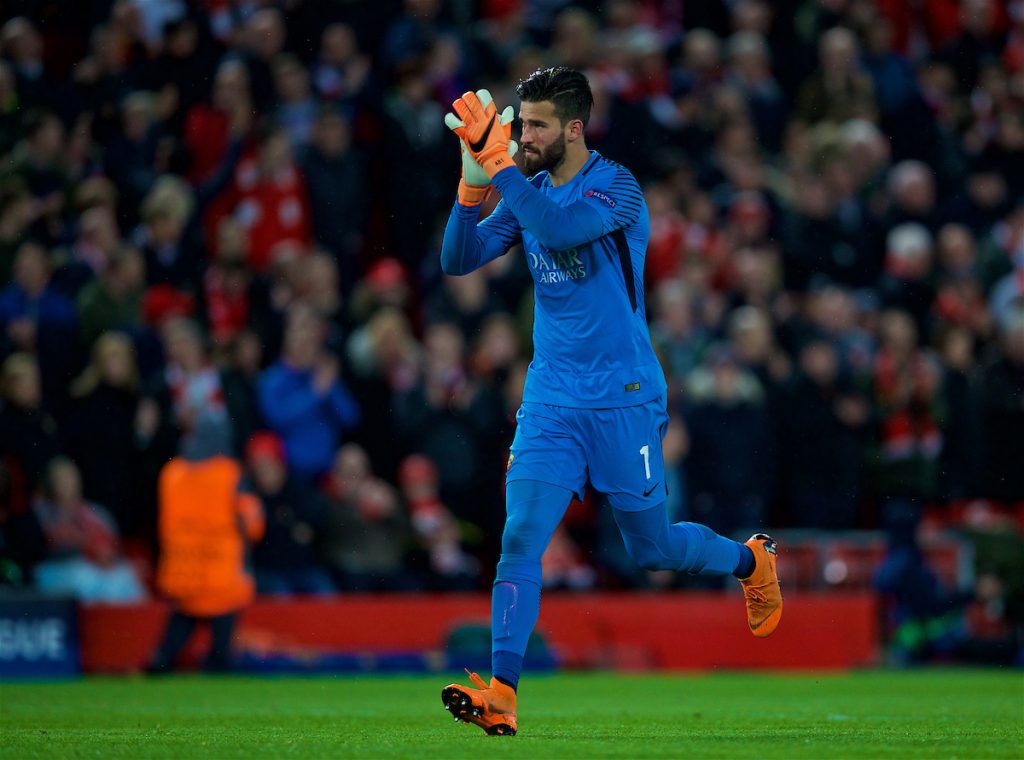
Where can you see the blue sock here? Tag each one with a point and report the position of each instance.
(533, 510)
(745, 567)
(506, 666)
(685, 547)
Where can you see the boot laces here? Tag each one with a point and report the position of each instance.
(755, 593)
(476, 679)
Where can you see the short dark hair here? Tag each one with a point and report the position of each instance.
(566, 88)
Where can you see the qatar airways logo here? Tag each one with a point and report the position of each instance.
(556, 266)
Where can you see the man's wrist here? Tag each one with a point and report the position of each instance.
(472, 195)
(498, 163)
(503, 176)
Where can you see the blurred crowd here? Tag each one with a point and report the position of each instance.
(219, 233)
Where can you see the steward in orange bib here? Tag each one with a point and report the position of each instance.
(206, 524)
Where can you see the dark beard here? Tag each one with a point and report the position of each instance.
(548, 160)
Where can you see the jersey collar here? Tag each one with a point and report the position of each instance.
(594, 156)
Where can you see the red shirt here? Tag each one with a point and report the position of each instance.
(206, 139)
(273, 210)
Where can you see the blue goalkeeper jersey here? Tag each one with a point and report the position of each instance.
(585, 243)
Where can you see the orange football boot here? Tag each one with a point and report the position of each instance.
(493, 707)
(762, 591)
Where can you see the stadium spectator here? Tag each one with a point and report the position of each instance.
(336, 176)
(678, 339)
(815, 243)
(906, 392)
(985, 198)
(365, 529)
(911, 187)
(286, 559)
(102, 79)
(113, 301)
(960, 299)
(413, 33)
(83, 556)
(839, 90)
(466, 301)
(750, 71)
(36, 161)
(497, 350)
(907, 284)
(923, 615)
(172, 257)
(1007, 295)
(892, 74)
(189, 390)
(268, 197)
(228, 285)
(977, 42)
(96, 240)
(179, 73)
(132, 156)
(385, 284)
(28, 434)
(415, 134)
(22, 543)
(834, 313)
(1003, 413)
(384, 359)
(23, 45)
(240, 380)
(342, 71)
(315, 282)
(303, 398)
(103, 427)
(826, 420)
(262, 38)
(296, 108)
(448, 566)
(9, 111)
(456, 421)
(17, 212)
(37, 318)
(961, 460)
(750, 332)
(728, 468)
(209, 127)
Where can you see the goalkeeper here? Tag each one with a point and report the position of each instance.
(594, 405)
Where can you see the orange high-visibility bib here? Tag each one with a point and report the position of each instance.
(204, 525)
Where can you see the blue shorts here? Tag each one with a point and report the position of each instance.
(618, 451)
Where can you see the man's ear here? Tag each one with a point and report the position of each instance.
(574, 130)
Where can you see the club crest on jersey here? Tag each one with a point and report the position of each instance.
(600, 196)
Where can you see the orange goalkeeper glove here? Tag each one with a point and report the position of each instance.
(491, 148)
(475, 182)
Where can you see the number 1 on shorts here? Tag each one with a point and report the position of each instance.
(645, 450)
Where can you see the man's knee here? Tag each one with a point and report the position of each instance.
(523, 537)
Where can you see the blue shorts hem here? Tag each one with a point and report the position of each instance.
(576, 493)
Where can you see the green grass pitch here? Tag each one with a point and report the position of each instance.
(940, 714)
